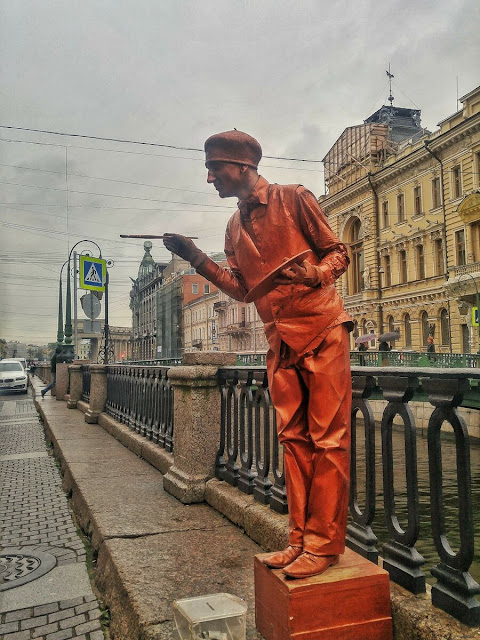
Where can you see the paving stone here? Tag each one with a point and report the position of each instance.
(18, 635)
(19, 614)
(88, 626)
(33, 622)
(45, 608)
(61, 615)
(43, 631)
(9, 627)
(72, 622)
(60, 635)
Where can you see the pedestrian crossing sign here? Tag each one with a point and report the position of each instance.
(92, 273)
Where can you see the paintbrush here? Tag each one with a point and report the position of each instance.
(150, 237)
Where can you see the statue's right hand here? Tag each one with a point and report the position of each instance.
(181, 246)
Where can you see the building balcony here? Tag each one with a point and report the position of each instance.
(197, 343)
(221, 305)
(238, 327)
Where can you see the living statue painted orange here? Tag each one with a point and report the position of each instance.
(307, 330)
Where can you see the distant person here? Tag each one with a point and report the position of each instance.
(431, 349)
(53, 365)
(362, 347)
(383, 348)
(33, 368)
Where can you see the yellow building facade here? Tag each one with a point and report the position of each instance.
(407, 204)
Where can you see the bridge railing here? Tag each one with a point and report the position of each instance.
(142, 398)
(249, 458)
(86, 380)
(415, 359)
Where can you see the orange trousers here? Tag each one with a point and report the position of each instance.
(312, 395)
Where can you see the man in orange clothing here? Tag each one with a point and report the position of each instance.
(307, 328)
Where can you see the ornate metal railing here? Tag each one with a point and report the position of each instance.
(249, 458)
(142, 398)
(85, 382)
(415, 359)
(251, 359)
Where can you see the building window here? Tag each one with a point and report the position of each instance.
(425, 328)
(195, 288)
(460, 247)
(477, 168)
(402, 258)
(456, 182)
(386, 222)
(438, 256)
(206, 288)
(407, 327)
(417, 201)
(475, 236)
(444, 328)
(436, 197)
(391, 324)
(387, 268)
(400, 207)
(420, 259)
(356, 247)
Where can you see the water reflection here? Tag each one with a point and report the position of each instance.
(425, 544)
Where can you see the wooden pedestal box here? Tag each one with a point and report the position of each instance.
(350, 601)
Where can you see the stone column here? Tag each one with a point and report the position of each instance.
(76, 385)
(98, 392)
(61, 384)
(196, 423)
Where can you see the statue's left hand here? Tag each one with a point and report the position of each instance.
(306, 273)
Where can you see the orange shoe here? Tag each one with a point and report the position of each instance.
(280, 559)
(307, 565)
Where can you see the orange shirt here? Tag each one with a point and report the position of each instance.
(274, 223)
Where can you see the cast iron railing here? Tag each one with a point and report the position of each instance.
(249, 458)
(414, 359)
(142, 398)
(85, 382)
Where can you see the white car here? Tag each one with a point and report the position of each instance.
(13, 376)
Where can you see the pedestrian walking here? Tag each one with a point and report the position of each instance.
(308, 363)
(53, 368)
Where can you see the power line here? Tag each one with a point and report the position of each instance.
(152, 155)
(114, 195)
(139, 142)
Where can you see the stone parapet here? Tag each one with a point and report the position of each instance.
(75, 373)
(196, 434)
(61, 382)
(98, 392)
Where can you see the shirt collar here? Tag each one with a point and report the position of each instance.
(259, 195)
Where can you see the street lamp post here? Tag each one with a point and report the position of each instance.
(68, 348)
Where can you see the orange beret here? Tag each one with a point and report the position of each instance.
(233, 146)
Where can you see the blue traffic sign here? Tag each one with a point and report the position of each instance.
(92, 273)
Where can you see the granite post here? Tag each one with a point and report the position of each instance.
(76, 384)
(98, 392)
(196, 434)
(61, 382)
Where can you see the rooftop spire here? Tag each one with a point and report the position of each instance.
(390, 76)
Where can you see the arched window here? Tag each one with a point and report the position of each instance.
(407, 330)
(444, 327)
(424, 321)
(356, 248)
(391, 324)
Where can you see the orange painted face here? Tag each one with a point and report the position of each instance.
(227, 178)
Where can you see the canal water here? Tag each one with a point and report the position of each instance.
(425, 544)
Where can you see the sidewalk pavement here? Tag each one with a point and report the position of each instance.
(150, 549)
(45, 592)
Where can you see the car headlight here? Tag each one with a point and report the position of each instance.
(22, 378)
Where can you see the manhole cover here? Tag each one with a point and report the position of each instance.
(21, 565)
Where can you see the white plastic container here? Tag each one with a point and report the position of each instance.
(219, 616)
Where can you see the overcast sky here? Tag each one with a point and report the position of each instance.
(172, 72)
